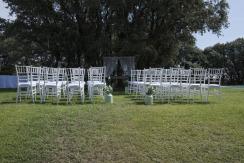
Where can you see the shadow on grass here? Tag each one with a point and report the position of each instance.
(3, 90)
(7, 102)
(52, 101)
(174, 102)
(99, 100)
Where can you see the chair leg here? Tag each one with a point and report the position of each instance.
(91, 94)
(57, 96)
(41, 94)
(63, 91)
(189, 95)
(81, 95)
(35, 93)
(17, 95)
(67, 95)
(44, 95)
(32, 95)
(207, 94)
(201, 94)
(27, 93)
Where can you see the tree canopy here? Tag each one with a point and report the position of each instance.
(82, 32)
(229, 56)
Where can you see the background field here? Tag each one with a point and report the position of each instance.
(126, 131)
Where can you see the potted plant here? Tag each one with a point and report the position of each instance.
(149, 95)
(108, 97)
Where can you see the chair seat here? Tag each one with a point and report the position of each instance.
(35, 82)
(174, 84)
(136, 82)
(76, 84)
(185, 85)
(213, 85)
(63, 82)
(155, 84)
(95, 83)
(27, 84)
(53, 84)
(195, 85)
(41, 82)
(139, 83)
(164, 84)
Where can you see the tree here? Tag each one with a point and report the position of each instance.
(234, 61)
(229, 56)
(191, 57)
(82, 32)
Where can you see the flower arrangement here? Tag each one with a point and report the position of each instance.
(150, 91)
(108, 90)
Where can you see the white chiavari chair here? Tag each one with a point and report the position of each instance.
(63, 79)
(156, 78)
(36, 79)
(134, 81)
(185, 77)
(144, 81)
(139, 84)
(52, 85)
(76, 86)
(165, 85)
(175, 84)
(198, 84)
(214, 80)
(96, 81)
(25, 86)
(43, 71)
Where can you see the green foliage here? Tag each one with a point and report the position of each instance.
(150, 90)
(108, 90)
(7, 70)
(229, 56)
(191, 57)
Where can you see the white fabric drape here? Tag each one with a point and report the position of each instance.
(111, 63)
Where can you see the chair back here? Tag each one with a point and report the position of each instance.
(51, 74)
(175, 75)
(198, 76)
(62, 75)
(76, 74)
(97, 74)
(23, 74)
(185, 76)
(35, 73)
(156, 75)
(147, 76)
(214, 76)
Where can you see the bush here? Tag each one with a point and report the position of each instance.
(7, 70)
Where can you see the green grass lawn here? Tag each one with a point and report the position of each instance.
(126, 131)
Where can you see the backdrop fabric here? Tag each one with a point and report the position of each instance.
(111, 63)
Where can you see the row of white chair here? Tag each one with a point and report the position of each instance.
(58, 82)
(176, 83)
